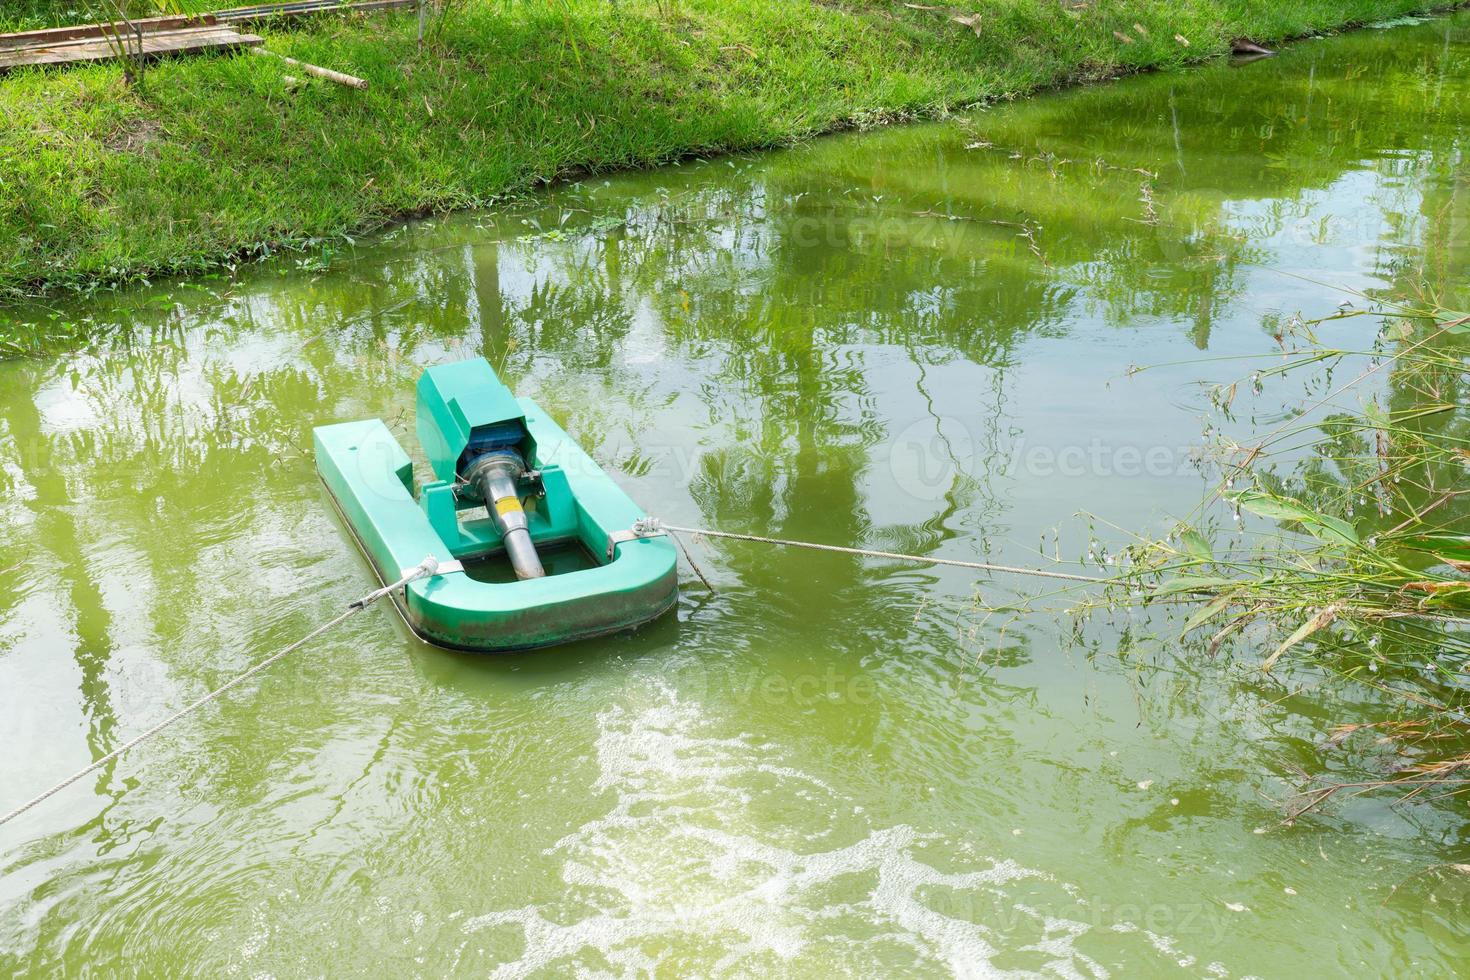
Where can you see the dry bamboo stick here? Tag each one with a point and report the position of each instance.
(341, 78)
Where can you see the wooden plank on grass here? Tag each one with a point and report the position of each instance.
(101, 32)
(52, 35)
(154, 44)
(309, 8)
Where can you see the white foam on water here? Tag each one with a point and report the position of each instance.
(687, 864)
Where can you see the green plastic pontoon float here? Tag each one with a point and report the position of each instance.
(535, 544)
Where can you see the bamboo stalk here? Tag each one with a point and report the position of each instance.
(341, 78)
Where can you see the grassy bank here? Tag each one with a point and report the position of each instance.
(214, 159)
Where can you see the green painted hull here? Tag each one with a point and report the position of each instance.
(370, 479)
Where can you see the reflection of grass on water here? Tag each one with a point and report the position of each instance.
(1372, 581)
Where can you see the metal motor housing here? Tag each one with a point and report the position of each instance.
(465, 411)
(475, 436)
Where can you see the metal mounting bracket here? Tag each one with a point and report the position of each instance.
(644, 527)
(445, 568)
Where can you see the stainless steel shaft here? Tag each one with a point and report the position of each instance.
(496, 475)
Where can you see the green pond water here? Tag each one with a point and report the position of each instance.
(916, 339)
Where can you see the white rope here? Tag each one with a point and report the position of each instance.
(644, 526)
(652, 524)
(425, 569)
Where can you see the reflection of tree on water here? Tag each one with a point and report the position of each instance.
(1265, 133)
(1424, 261)
(162, 457)
(1436, 275)
(56, 505)
(831, 305)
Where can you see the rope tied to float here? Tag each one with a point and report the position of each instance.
(426, 569)
(647, 527)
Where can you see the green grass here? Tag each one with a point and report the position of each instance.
(213, 159)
